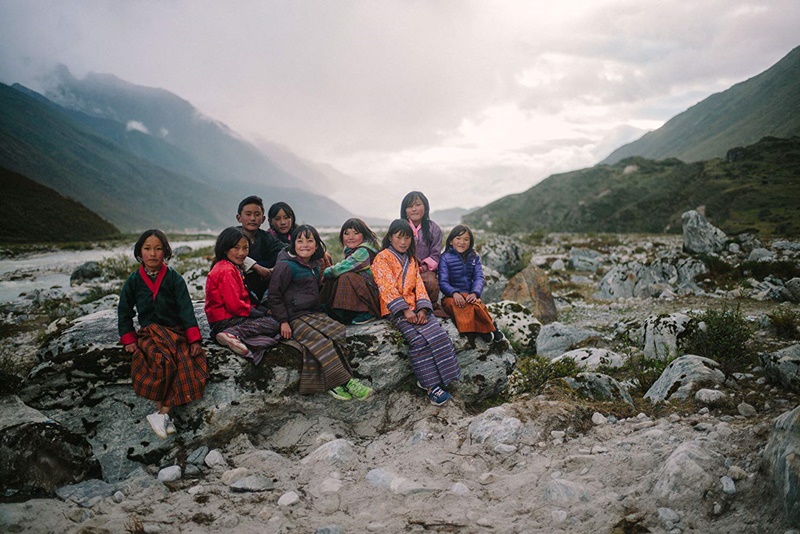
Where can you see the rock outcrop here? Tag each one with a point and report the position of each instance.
(699, 235)
(783, 459)
(531, 288)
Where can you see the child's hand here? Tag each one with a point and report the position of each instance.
(423, 267)
(195, 349)
(472, 298)
(459, 300)
(131, 348)
(422, 317)
(410, 316)
(286, 331)
(263, 272)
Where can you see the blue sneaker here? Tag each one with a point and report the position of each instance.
(362, 318)
(438, 396)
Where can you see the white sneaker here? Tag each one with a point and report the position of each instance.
(232, 342)
(158, 421)
(170, 425)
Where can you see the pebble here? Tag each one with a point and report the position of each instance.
(555, 474)
(214, 458)
(288, 499)
(170, 474)
(227, 521)
(728, 485)
(599, 449)
(197, 456)
(253, 483)
(558, 434)
(717, 509)
(746, 410)
(559, 516)
(704, 410)
(643, 425)
(503, 448)
(487, 478)
(232, 475)
(726, 418)
(737, 473)
(703, 427)
(668, 514)
(626, 446)
(375, 527)
(196, 490)
(119, 497)
(484, 522)
(329, 529)
(599, 419)
(459, 488)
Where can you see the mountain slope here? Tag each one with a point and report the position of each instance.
(30, 212)
(757, 187)
(765, 105)
(36, 140)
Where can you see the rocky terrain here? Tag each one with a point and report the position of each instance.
(639, 435)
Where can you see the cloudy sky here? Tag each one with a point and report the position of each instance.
(467, 101)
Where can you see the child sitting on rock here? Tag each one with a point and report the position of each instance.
(349, 291)
(168, 364)
(264, 246)
(405, 302)
(236, 321)
(293, 298)
(427, 241)
(461, 283)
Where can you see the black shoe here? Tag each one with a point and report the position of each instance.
(487, 337)
(498, 335)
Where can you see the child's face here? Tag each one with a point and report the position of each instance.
(352, 238)
(238, 252)
(281, 222)
(305, 246)
(461, 242)
(251, 217)
(400, 242)
(152, 253)
(415, 211)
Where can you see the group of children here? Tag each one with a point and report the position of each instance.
(280, 284)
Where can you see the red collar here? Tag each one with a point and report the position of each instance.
(154, 286)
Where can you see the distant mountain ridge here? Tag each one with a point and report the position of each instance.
(158, 140)
(756, 188)
(766, 105)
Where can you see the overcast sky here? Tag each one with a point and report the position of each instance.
(466, 101)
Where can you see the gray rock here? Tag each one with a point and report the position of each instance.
(584, 259)
(793, 287)
(87, 493)
(662, 334)
(253, 484)
(88, 271)
(665, 275)
(700, 236)
(329, 529)
(761, 254)
(599, 387)
(198, 456)
(494, 427)
(684, 376)
(460, 488)
(564, 492)
(170, 474)
(591, 358)
(782, 456)
(517, 322)
(783, 367)
(555, 339)
(746, 410)
(728, 485)
(687, 474)
(494, 284)
(668, 514)
(502, 253)
(337, 453)
(214, 458)
(599, 419)
(710, 397)
(288, 499)
(38, 454)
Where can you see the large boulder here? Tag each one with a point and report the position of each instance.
(555, 339)
(664, 276)
(662, 334)
(502, 253)
(585, 259)
(598, 387)
(83, 382)
(85, 272)
(700, 236)
(782, 457)
(683, 376)
(531, 288)
(39, 455)
(517, 322)
(590, 358)
(687, 475)
(783, 367)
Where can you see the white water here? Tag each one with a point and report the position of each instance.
(52, 269)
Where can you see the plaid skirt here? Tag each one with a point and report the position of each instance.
(432, 355)
(259, 334)
(163, 369)
(471, 318)
(322, 342)
(353, 292)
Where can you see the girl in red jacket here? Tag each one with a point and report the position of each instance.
(235, 321)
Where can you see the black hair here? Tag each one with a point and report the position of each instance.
(426, 217)
(226, 240)
(273, 212)
(402, 227)
(137, 248)
(361, 227)
(306, 230)
(252, 199)
(457, 231)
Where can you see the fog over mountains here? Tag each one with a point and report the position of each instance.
(143, 157)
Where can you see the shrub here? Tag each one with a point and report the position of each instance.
(533, 372)
(721, 335)
(645, 371)
(785, 321)
(118, 267)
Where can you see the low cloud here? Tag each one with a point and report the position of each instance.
(136, 126)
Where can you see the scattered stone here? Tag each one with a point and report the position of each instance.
(502, 448)
(329, 529)
(118, 497)
(599, 419)
(591, 358)
(87, 493)
(232, 475)
(662, 333)
(682, 376)
(728, 486)
(459, 489)
(288, 499)
(746, 410)
(737, 473)
(253, 483)
(668, 514)
(782, 457)
(783, 367)
(198, 456)
(170, 474)
(487, 478)
(710, 397)
(555, 339)
(214, 459)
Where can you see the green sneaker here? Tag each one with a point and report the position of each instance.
(358, 390)
(340, 393)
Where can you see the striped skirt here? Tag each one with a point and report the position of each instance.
(259, 334)
(432, 355)
(471, 318)
(163, 369)
(352, 292)
(322, 342)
